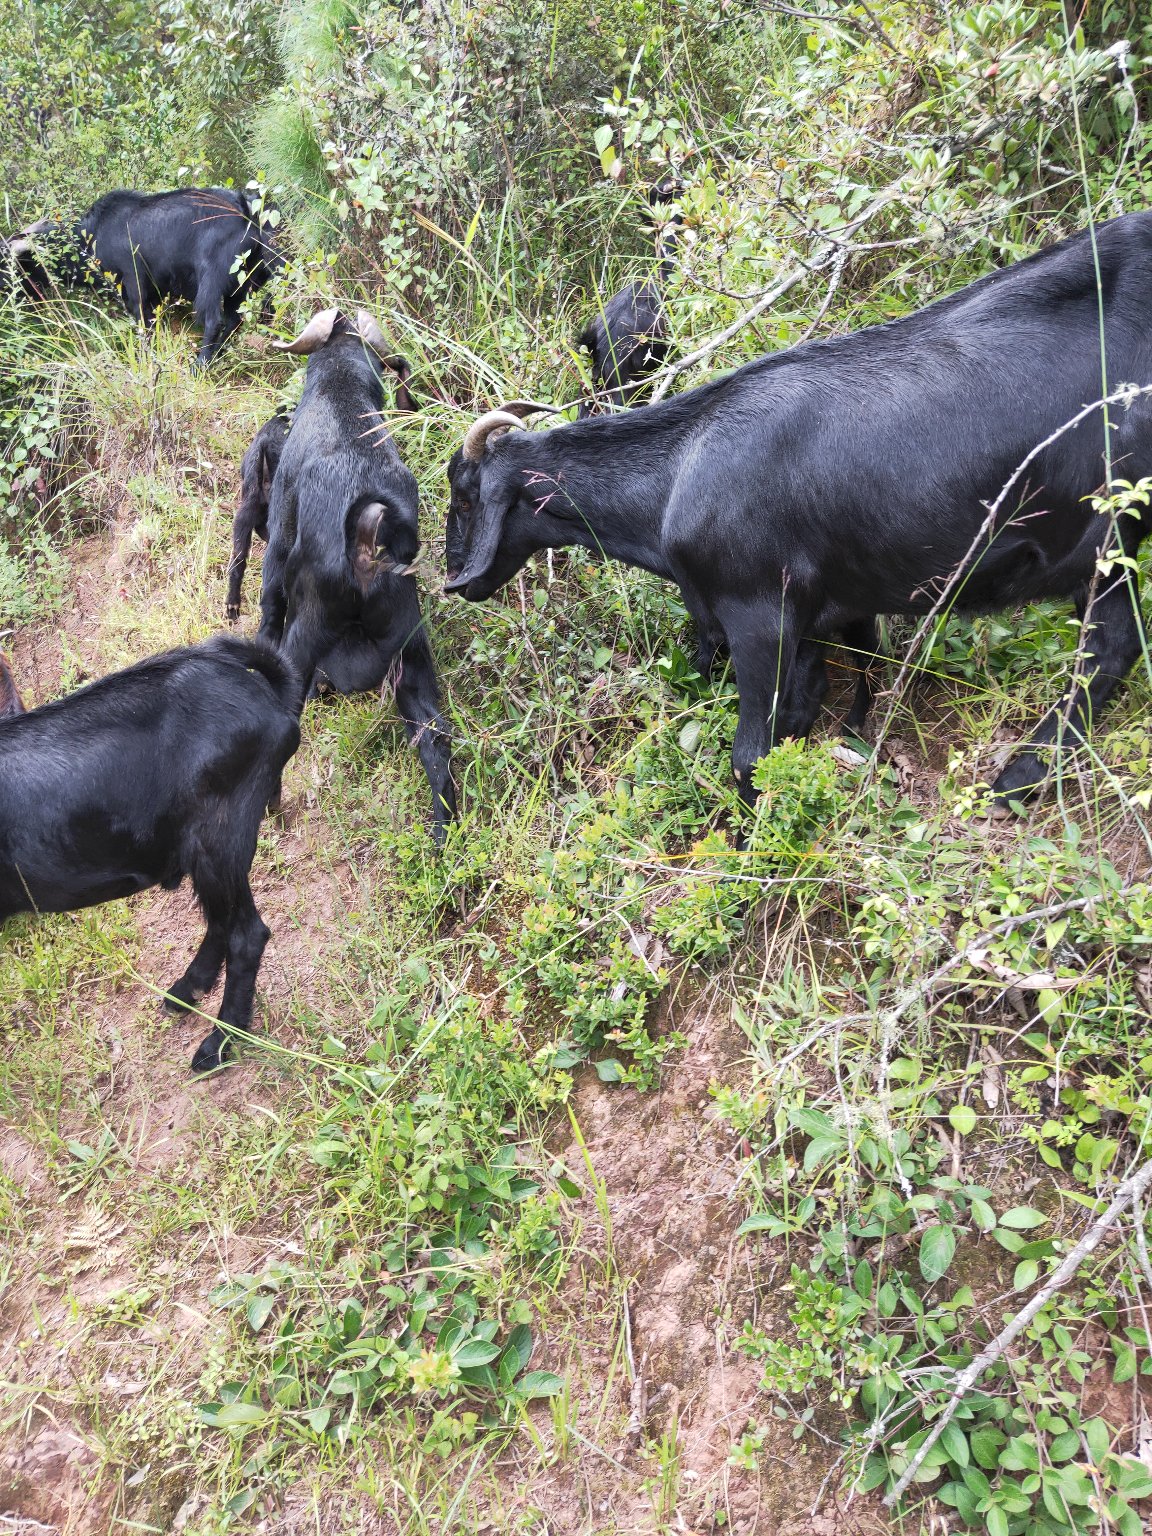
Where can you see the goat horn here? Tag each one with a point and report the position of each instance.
(482, 429)
(313, 336)
(530, 408)
(19, 245)
(370, 331)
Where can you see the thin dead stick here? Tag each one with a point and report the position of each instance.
(875, 31)
(1130, 1191)
(1125, 395)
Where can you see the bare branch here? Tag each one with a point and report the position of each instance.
(1132, 1190)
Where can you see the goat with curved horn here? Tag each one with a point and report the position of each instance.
(312, 337)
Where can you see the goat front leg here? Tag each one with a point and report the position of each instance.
(710, 638)
(1112, 640)
(418, 701)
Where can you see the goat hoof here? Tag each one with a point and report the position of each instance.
(212, 1052)
(180, 997)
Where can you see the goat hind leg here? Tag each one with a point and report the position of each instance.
(763, 640)
(243, 527)
(1112, 643)
(247, 937)
(862, 641)
(710, 638)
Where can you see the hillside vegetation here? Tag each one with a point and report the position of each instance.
(599, 1173)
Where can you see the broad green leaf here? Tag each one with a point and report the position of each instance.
(519, 1346)
(236, 1416)
(1026, 1274)
(937, 1246)
(962, 1118)
(1020, 1454)
(819, 1149)
(1064, 1447)
(762, 1221)
(540, 1384)
(1098, 1437)
(1125, 1363)
(259, 1308)
(1022, 1217)
(1049, 1005)
(955, 1442)
(986, 1442)
(475, 1352)
(983, 1215)
(690, 738)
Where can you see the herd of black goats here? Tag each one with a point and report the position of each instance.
(956, 458)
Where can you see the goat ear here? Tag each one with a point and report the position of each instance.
(313, 336)
(364, 542)
(381, 539)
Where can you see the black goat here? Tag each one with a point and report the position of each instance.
(814, 489)
(257, 472)
(148, 775)
(339, 594)
(206, 245)
(628, 339)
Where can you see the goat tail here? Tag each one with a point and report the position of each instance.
(256, 655)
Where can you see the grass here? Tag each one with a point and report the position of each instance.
(592, 1175)
(222, 1270)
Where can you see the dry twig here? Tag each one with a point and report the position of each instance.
(1130, 1192)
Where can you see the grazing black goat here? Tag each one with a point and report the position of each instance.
(148, 775)
(814, 489)
(258, 470)
(339, 594)
(206, 245)
(628, 339)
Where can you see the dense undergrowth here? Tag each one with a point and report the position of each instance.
(946, 1067)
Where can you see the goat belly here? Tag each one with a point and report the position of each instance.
(78, 861)
(65, 895)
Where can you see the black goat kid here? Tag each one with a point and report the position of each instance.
(146, 776)
(628, 339)
(209, 246)
(339, 594)
(812, 490)
(257, 472)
